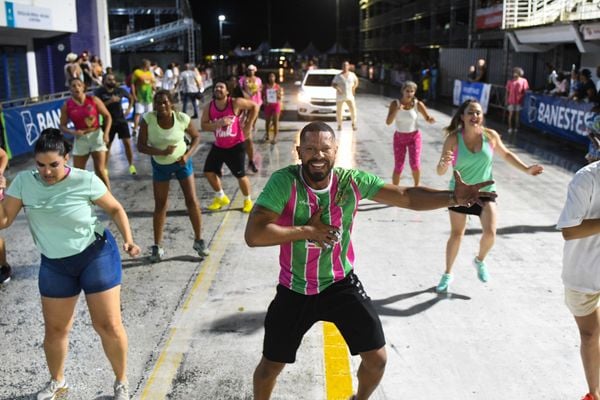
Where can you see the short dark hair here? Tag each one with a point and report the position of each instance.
(166, 93)
(316, 126)
(586, 72)
(52, 139)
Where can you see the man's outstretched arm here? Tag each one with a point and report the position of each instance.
(423, 198)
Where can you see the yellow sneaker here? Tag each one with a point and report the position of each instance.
(247, 206)
(132, 170)
(219, 202)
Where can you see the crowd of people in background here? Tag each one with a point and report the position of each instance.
(171, 139)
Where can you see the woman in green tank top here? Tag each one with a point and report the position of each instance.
(469, 147)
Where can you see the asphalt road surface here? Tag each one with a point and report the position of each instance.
(196, 328)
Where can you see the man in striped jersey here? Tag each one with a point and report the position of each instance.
(308, 210)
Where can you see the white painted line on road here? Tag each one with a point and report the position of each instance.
(177, 344)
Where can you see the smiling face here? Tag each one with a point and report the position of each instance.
(51, 166)
(472, 117)
(163, 105)
(220, 91)
(317, 152)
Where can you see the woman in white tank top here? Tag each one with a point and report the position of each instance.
(404, 112)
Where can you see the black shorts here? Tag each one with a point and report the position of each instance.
(344, 303)
(121, 128)
(475, 209)
(234, 158)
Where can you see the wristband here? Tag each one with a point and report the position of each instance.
(452, 198)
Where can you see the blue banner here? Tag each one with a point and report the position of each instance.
(24, 124)
(557, 115)
(464, 90)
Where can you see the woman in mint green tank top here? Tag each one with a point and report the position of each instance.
(470, 147)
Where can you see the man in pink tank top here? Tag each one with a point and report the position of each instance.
(221, 117)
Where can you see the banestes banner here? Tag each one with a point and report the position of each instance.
(24, 124)
(557, 115)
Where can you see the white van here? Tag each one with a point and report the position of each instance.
(316, 97)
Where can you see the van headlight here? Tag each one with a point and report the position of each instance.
(303, 97)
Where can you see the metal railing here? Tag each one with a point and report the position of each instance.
(528, 13)
(34, 100)
(148, 36)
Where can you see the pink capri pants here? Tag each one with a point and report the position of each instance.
(411, 142)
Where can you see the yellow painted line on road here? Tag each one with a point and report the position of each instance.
(338, 380)
(180, 336)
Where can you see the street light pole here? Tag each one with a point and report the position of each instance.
(221, 20)
(337, 23)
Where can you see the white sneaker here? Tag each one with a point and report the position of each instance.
(52, 390)
(121, 390)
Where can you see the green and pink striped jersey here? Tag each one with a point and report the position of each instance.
(305, 267)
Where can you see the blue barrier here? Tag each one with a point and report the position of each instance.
(558, 116)
(24, 124)
(464, 90)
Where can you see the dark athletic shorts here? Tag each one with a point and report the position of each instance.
(233, 157)
(344, 303)
(121, 128)
(475, 209)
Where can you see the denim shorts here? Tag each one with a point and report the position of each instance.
(89, 143)
(96, 269)
(164, 172)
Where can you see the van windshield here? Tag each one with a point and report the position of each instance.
(319, 80)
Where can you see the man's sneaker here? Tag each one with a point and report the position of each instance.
(442, 287)
(52, 390)
(156, 254)
(219, 202)
(5, 273)
(200, 247)
(252, 166)
(121, 390)
(247, 206)
(132, 170)
(482, 272)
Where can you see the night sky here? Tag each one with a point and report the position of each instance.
(295, 21)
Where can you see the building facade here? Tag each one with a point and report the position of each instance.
(36, 36)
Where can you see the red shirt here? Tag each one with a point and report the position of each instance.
(227, 136)
(84, 115)
(515, 91)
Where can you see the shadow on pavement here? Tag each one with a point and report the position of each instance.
(372, 207)
(142, 261)
(243, 322)
(508, 230)
(24, 397)
(382, 309)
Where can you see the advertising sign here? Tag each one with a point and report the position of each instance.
(24, 124)
(489, 17)
(557, 115)
(464, 90)
(22, 16)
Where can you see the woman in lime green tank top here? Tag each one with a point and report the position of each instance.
(469, 147)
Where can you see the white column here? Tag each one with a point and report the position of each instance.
(32, 70)
(103, 35)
